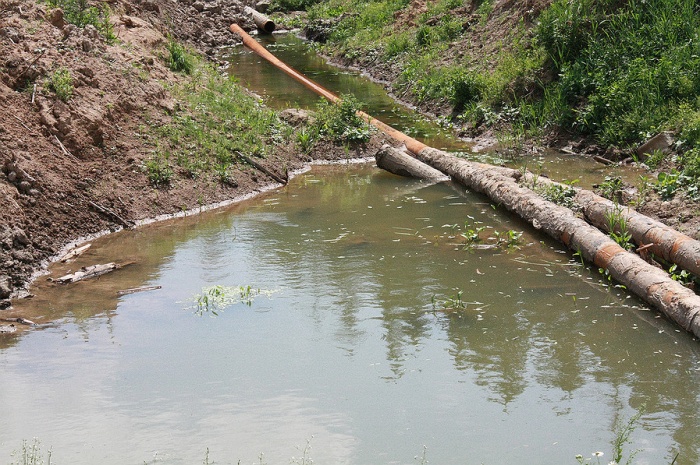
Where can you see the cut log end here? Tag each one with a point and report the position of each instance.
(400, 163)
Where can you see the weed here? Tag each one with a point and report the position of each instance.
(611, 188)
(30, 454)
(508, 239)
(61, 83)
(305, 139)
(214, 299)
(560, 194)
(451, 303)
(340, 122)
(158, 170)
(179, 59)
(81, 13)
(617, 227)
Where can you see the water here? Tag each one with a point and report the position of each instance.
(348, 353)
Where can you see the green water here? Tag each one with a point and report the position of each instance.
(349, 352)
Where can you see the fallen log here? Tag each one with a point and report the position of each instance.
(651, 284)
(402, 164)
(134, 290)
(20, 320)
(110, 214)
(75, 253)
(262, 22)
(261, 168)
(88, 272)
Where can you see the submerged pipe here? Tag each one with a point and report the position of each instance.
(263, 23)
(651, 284)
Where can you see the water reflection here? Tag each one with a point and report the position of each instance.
(350, 349)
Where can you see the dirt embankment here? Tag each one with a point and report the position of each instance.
(73, 168)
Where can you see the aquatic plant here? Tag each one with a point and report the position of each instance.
(30, 454)
(215, 299)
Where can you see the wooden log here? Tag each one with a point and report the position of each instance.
(652, 285)
(88, 272)
(75, 253)
(134, 290)
(666, 243)
(402, 164)
(263, 23)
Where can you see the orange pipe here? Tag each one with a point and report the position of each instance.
(413, 145)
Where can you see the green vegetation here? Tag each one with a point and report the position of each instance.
(340, 122)
(216, 120)
(617, 72)
(60, 82)
(215, 299)
(82, 13)
(179, 59)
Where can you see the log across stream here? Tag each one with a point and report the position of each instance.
(647, 281)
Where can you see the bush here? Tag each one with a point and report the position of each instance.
(340, 122)
(179, 59)
(61, 83)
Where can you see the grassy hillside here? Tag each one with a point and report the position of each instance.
(613, 72)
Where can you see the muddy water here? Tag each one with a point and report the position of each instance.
(354, 351)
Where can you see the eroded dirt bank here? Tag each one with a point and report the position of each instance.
(73, 168)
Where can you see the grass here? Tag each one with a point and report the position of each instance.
(60, 82)
(618, 72)
(82, 13)
(215, 120)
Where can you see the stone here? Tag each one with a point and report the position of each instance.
(19, 238)
(57, 18)
(5, 287)
(262, 6)
(23, 256)
(199, 6)
(661, 142)
(295, 116)
(5, 304)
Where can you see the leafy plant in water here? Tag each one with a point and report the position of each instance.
(30, 454)
(451, 303)
(508, 239)
(216, 298)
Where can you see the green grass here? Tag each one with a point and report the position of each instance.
(60, 82)
(216, 120)
(82, 13)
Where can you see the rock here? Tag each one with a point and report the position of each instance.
(262, 6)
(295, 116)
(5, 304)
(7, 329)
(19, 238)
(199, 6)
(662, 142)
(23, 256)
(57, 19)
(5, 287)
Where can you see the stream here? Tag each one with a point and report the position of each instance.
(367, 332)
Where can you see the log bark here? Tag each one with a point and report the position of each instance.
(402, 164)
(88, 272)
(75, 253)
(651, 284)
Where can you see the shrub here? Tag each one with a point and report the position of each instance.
(179, 59)
(61, 83)
(340, 121)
